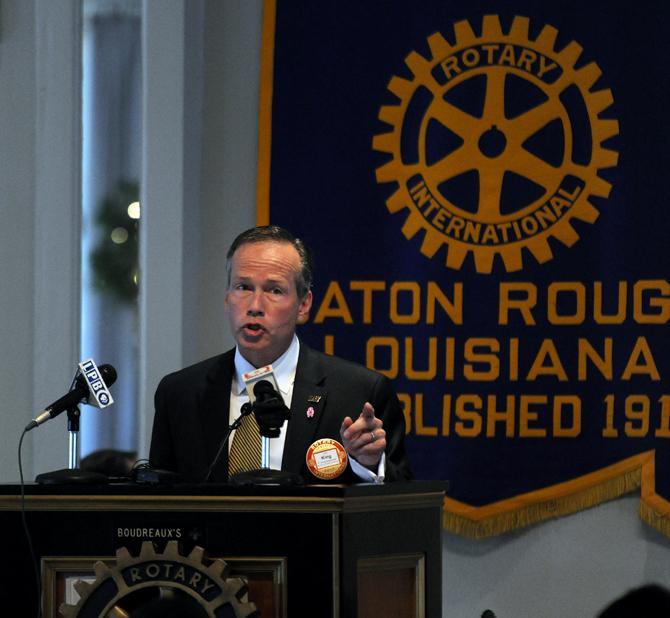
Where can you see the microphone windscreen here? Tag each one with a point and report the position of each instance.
(108, 374)
(263, 387)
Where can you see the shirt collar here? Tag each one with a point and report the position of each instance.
(284, 368)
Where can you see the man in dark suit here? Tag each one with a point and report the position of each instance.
(269, 280)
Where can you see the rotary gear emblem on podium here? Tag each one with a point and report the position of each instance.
(204, 585)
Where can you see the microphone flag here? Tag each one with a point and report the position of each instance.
(99, 394)
(262, 373)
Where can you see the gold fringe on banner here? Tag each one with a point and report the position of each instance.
(558, 500)
(660, 521)
(654, 510)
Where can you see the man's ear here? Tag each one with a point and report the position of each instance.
(304, 308)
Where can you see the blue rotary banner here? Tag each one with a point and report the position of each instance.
(483, 186)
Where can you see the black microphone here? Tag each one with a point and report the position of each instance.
(269, 409)
(80, 392)
(265, 392)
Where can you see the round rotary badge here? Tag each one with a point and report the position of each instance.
(326, 459)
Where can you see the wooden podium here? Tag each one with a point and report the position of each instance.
(321, 550)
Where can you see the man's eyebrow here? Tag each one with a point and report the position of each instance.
(280, 282)
(270, 281)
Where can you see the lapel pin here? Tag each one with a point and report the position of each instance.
(314, 398)
(310, 412)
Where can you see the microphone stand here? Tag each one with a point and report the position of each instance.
(72, 474)
(265, 451)
(73, 415)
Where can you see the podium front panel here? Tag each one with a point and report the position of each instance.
(304, 551)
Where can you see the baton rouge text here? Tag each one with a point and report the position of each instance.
(563, 333)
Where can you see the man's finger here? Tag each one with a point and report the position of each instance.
(346, 423)
(368, 411)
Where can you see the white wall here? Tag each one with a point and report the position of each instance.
(39, 237)
(568, 567)
(17, 196)
(572, 566)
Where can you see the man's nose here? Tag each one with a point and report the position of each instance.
(256, 306)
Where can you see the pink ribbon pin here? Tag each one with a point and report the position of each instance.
(310, 412)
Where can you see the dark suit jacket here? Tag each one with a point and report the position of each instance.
(191, 414)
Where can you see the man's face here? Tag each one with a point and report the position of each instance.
(262, 300)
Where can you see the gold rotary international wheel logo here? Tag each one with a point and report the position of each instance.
(137, 582)
(496, 144)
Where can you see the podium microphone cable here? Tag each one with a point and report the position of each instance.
(38, 578)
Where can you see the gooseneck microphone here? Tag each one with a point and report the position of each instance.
(270, 411)
(80, 392)
(246, 410)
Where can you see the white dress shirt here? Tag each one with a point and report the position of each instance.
(284, 369)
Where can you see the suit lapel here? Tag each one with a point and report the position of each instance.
(307, 406)
(214, 412)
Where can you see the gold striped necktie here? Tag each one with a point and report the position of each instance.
(245, 451)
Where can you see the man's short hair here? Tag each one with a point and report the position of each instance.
(274, 233)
